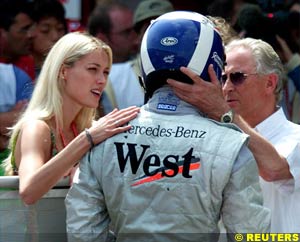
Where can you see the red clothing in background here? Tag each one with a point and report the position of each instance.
(26, 63)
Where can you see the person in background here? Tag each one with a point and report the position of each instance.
(112, 22)
(175, 172)
(57, 127)
(50, 26)
(289, 49)
(15, 92)
(225, 30)
(227, 9)
(291, 95)
(16, 34)
(124, 77)
(248, 97)
(16, 83)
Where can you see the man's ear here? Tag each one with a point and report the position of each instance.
(272, 81)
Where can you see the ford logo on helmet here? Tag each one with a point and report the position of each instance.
(169, 41)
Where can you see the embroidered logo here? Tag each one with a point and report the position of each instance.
(168, 102)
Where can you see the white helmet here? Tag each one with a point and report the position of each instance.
(175, 39)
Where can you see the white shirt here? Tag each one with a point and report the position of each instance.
(126, 86)
(16, 85)
(8, 87)
(283, 197)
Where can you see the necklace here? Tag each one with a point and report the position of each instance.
(62, 137)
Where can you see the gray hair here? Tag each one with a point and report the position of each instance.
(267, 60)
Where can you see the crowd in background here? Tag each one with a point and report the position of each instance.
(44, 22)
(28, 30)
(276, 22)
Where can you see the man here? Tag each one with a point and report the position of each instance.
(174, 173)
(15, 92)
(252, 84)
(15, 44)
(112, 23)
(124, 77)
(50, 26)
(16, 35)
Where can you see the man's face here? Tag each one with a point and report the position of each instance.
(18, 39)
(122, 38)
(47, 32)
(249, 97)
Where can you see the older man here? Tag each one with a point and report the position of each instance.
(251, 86)
(175, 172)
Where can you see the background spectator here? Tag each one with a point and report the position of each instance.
(50, 26)
(124, 77)
(112, 23)
(16, 34)
(15, 92)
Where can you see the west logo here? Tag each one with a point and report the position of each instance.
(155, 167)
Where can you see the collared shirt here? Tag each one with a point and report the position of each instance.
(283, 197)
(16, 86)
(124, 82)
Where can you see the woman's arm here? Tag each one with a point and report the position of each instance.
(39, 172)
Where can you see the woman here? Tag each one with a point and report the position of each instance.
(59, 116)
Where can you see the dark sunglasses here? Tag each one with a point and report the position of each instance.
(236, 78)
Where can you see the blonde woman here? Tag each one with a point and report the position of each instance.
(56, 129)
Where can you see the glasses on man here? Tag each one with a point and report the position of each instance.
(236, 78)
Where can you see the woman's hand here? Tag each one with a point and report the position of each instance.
(113, 123)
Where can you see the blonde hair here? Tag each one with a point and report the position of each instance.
(46, 100)
(225, 30)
